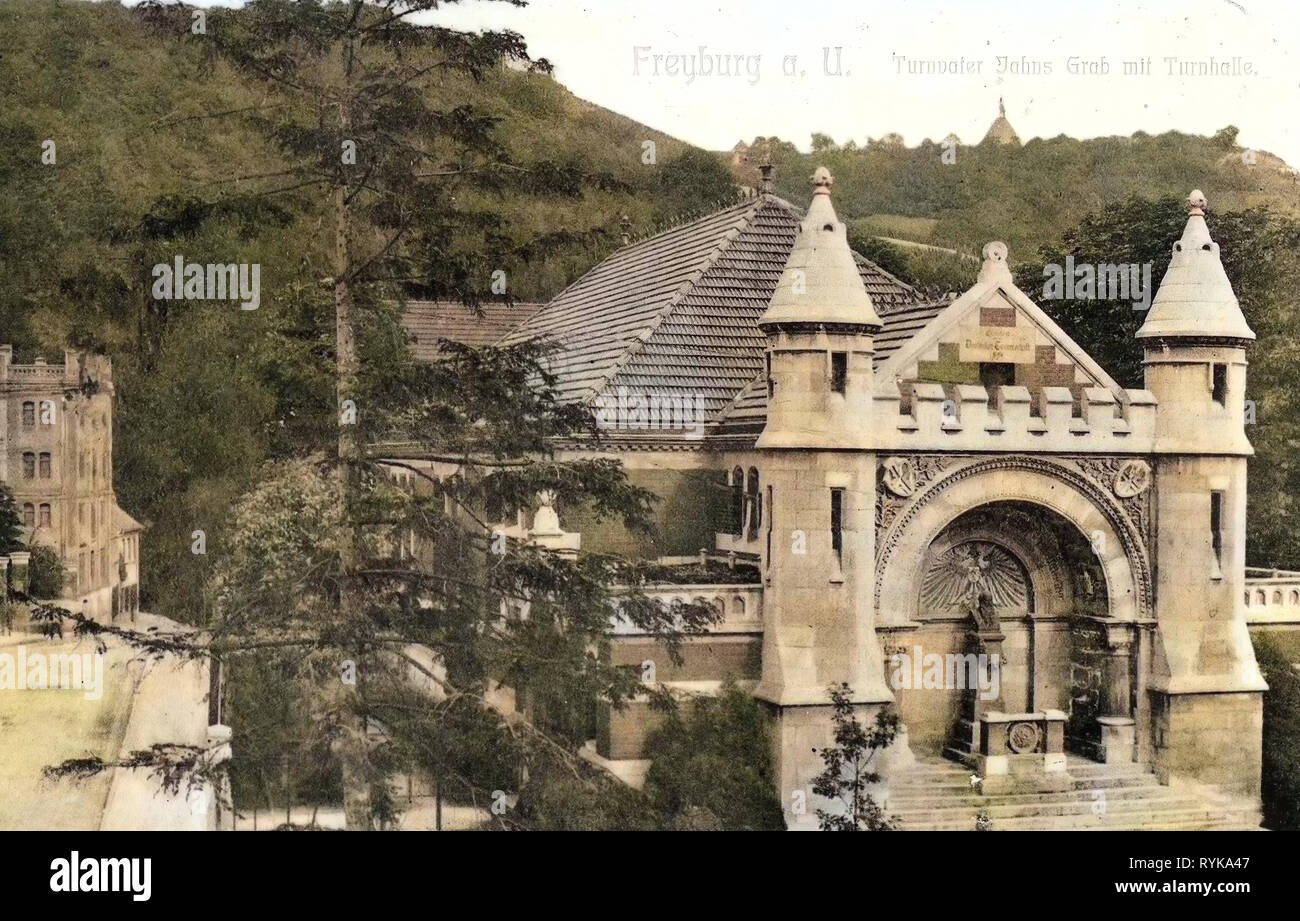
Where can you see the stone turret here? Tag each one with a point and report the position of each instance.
(1206, 684)
(1195, 340)
(820, 324)
(819, 558)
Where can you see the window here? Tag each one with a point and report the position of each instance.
(45, 465)
(753, 499)
(737, 502)
(996, 374)
(1216, 531)
(29, 414)
(839, 371)
(29, 515)
(768, 558)
(771, 384)
(46, 516)
(1219, 384)
(837, 525)
(29, 465)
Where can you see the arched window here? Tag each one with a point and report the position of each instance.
(1295, 597)
(45, 465)
(737, 501)
(29, 465)
(29, 515)
(46, 516)
(1260, 598)
(754, 499)
(29, 413)
(1277, 597)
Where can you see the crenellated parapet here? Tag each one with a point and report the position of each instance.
(970, 417)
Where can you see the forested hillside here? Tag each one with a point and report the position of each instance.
(123, 145)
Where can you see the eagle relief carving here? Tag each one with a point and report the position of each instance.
(978, 578)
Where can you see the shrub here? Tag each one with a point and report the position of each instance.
(1281, 769)
(712, 767)
(44, 573)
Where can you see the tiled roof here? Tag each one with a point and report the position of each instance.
(747, 413)
(676, 314)
(123, 522)
(428, 321)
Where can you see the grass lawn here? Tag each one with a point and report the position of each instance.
(43, 727)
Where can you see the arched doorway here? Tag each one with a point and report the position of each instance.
(1054, 569)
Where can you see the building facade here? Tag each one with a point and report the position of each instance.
(56, 457)
(945, 505)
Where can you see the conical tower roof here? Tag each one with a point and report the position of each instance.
(1195, 299)
(821, 283)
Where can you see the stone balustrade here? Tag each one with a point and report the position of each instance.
(741, 605)
(1272, 596)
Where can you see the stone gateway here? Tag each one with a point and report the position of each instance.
(951, 481)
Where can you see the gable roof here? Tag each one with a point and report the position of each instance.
(428, 321)
(677, 314)
(993, 283)
(910, 331)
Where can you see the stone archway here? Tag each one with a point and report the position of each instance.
(1028, 532)
(902, 546)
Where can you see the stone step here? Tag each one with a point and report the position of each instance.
(1080, 783)
(920, 800)
(950, 772)
(1061, 808)
(937, 795)
(1180, 819)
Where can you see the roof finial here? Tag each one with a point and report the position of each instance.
(994, 266)
(823, 181)
(1197, 202)
(765, 171)
(1002, 110)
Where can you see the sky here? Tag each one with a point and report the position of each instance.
(714, 73)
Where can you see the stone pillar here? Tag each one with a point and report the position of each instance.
(1117, 727)
(966, 734)
(19, 562)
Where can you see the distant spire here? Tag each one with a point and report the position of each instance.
(1001, 132)
(1195, 299)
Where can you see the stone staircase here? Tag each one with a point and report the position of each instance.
(937, 795)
